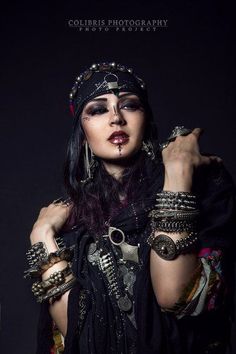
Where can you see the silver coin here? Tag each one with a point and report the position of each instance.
(123, 269)
(129, 278)
(124, 303)
(93, 257)
(130, 289)
(92, 248)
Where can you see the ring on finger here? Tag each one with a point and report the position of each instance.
(164, 145)
(61, 201)
(177, 131)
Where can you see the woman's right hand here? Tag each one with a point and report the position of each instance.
(50, 221)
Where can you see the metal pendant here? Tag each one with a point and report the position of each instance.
(129, 280)
(123, 270)
(129, 252)
(165, 247)
(92, 248)
(93, 253)
(124, 303)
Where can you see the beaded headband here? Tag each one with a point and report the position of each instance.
(104, 78)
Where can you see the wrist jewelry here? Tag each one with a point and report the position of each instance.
(167, 249)
(175, 225)
(36, 253)
(64, 254)
(174, 212)
(176, 201)
(56, 278)
(55, 293)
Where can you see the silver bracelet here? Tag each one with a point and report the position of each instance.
(168, 249)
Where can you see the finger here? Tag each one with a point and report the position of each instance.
(215, 158)
(206, 160)
(197, 132)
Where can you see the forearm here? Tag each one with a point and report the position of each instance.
(169, 277)
(58, 309)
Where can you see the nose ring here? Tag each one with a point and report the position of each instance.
(115, 111)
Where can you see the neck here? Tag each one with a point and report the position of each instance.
(115, 170)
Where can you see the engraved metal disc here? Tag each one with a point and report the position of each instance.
(124, 303)
(94, 257)
(129, 278)
(165, 247)
(123, 270)
(92, 248)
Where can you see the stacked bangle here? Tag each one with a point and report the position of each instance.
(56, 278)
(56, 292)
(175, 212)
(63, 254)
(36, 253)
(167, 249)
(40, 260)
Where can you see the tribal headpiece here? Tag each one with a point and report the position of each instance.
(104, 78)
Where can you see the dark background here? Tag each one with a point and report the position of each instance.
(189, 70)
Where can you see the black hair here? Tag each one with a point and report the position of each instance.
(98, 200)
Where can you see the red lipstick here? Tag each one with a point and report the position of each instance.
(118, 137)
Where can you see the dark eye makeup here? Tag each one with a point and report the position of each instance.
(128, 104)
(131, 105)
(97, 109)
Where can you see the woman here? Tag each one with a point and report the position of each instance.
(146, 232)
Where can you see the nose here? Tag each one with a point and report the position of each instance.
(117, 118)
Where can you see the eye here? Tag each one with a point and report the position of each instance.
(131, 105)
(97, 110)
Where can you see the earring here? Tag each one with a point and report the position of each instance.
(90, 163)
(148, 148)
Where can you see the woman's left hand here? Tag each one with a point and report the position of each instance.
(180, 158)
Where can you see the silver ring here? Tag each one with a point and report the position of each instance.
(177, 131)
(61, 201)
(164, 145)
(58, 201)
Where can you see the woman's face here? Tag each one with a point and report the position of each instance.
(114, 126)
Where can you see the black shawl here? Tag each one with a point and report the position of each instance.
(95, 324)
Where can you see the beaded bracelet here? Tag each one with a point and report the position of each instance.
(56, 292)
(174, 214)
(176, 201)
(175, 225)
(56, 278)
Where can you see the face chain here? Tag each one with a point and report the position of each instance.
(120, 148)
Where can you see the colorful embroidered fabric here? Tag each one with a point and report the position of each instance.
(58, 347)
(204, 290)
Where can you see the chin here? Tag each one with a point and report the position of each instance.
(123, 156)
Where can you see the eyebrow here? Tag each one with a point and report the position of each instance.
(105, 99)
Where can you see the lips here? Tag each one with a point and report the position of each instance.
(119, 137)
